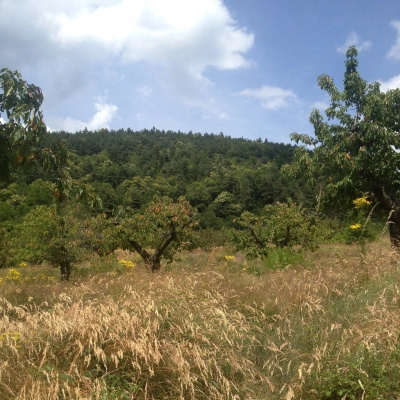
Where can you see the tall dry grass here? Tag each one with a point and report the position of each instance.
(327, 331)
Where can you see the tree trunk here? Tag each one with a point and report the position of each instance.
(152, 261)
(154, 264)
(65, 268)
(394, 228)
(392, 204)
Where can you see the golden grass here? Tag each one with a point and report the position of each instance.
(325, 331)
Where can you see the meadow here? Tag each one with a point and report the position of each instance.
(211, 325)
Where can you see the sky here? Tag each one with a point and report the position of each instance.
(246, 68)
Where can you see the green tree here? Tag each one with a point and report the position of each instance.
(40, 192)
(164, 228)
(23, 129)
(280, 225)
(107, 195)
(355, 150)
(224, 206)
(48, 234)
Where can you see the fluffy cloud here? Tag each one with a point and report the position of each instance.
(198, 33)
(392, 83)
(395, 50)
(353, 40)
(271, 97)
(105, 112)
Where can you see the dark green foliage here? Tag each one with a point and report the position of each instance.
(40, 192)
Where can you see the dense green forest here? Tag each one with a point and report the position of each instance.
(219, 175)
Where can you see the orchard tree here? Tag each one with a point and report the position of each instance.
(280, 225)
(53, 235)
(356, 148)
(164, 228)
(100, 235)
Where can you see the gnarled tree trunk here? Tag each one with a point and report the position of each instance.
(154, 261)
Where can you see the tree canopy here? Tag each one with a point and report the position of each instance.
(23, 129)
(356, 148)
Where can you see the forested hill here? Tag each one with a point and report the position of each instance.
(221, 176)
(155, 148)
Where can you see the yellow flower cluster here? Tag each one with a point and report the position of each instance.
(355, 227)
(23, 264)
(13, 275)
(227, 258)
(361, 202)
(128, 264)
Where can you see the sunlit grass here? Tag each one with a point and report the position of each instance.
(206, 327)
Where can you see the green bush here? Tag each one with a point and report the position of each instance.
(281, 225)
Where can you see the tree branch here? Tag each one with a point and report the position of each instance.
(259, 244)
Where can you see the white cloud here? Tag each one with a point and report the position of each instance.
(353, 40)
(271, 97)
(198, 33)
(395, 50)
(392, 83)
(105, 112)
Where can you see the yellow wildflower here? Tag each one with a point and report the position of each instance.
(355, 227)
(128, 264)
(13, 275)
(361, 202)
(227, 258)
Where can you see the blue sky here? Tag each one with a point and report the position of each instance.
(247, 68)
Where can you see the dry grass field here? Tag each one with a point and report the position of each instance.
(206, 327)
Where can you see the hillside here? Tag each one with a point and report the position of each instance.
(219, 175)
